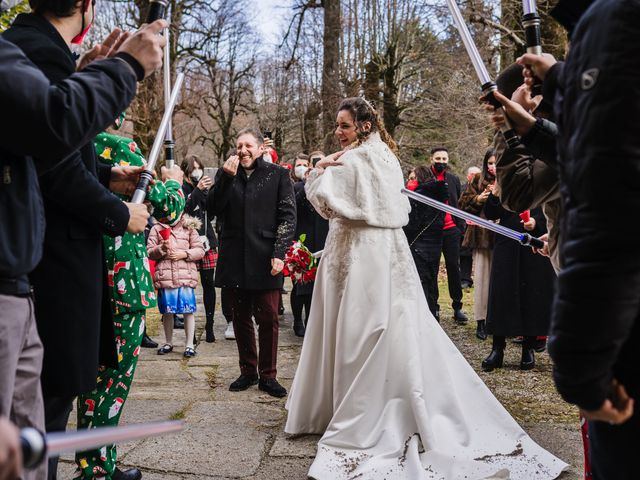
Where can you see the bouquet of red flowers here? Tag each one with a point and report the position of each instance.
(299, 263)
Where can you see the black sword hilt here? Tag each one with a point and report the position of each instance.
(157, 10)
(141, 189)
(533, 39)
(33, 446)
(510, 136)
(530, 241)
(169, 148)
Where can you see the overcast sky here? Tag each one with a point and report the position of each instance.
(272, 18)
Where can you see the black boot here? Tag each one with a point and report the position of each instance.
(298, 327)
(131, 474)
(460, 317)
(528, 360)
(208, 329)
(494, 360)
(481, 331)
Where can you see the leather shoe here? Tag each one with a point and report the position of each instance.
(460, 317)
(494, 360)
(243, 382)
(481, 331)
(148, 343)
(528, 360)
(298, 329)
(272, 387)
(540, 345)
(131, 474)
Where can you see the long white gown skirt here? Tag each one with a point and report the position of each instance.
(381, 380)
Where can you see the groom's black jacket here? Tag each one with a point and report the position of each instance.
(258, 217)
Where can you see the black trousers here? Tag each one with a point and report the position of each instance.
(614, 449)
(451, 250)
(466, 265)
(56, 417)
(426, 254)
(208, 293)
(226, 304)
(298, 303)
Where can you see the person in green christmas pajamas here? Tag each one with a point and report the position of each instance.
(131, 293)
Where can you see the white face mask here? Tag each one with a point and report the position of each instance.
(300, 170)
(196, 174)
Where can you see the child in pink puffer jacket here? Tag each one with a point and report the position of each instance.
(176, 250)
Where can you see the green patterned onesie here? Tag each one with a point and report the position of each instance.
(132, 293)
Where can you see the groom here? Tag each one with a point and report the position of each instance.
(253, 200)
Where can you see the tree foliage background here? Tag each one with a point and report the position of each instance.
(404, 56)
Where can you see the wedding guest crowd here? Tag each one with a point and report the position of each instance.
(74, 293)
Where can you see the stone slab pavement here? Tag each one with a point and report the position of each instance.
(238, 435)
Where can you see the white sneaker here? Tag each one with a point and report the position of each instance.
(229, 334)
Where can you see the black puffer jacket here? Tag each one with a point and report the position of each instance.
(595, 333)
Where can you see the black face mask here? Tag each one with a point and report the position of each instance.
(439, 167)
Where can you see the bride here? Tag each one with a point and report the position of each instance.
(378, 377)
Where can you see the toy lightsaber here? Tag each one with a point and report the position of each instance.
(524, 238)
(531, 24)
(157, 10)
(488, 85)
(146, 176)
(169, 144)
(37, 446)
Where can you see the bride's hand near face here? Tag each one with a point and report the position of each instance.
(330, 160)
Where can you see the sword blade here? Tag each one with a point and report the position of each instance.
(529, 7)
(166, 120)
(469, 45)
(456, 212)
(69, 442)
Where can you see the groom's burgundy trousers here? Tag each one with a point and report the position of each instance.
(263, 305)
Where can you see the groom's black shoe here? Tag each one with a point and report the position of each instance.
(243, 382)
(272, 387)
(494, 360)
(131, 474)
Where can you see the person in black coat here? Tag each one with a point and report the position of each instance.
(424, 233)
(520, 289)
(70, 283)
(315, 228)
(256, 207)
(196, 188)
(54, 114)
(443, 237)
(595, 334)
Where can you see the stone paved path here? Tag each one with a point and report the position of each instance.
(238, 435)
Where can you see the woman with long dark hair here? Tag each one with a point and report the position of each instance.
(196, 189)
(378, 377)
(478, 239)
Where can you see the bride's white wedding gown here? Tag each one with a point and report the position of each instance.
(378, 377)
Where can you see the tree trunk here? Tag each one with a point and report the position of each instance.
(330, 73)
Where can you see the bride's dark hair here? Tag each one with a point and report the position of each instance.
(362, 111)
